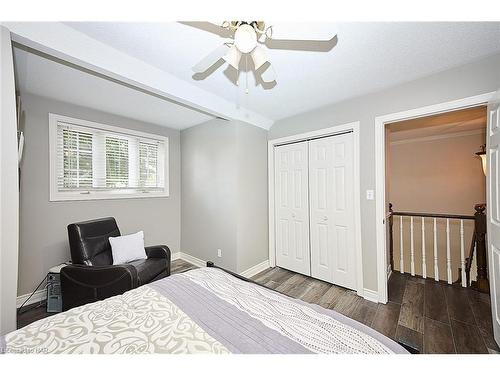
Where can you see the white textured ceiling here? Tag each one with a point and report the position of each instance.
(40, 76)
(368, 57)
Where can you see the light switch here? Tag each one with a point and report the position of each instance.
(370, 195)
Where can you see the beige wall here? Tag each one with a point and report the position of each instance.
(438, 176)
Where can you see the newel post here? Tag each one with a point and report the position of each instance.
(482, 283)
(391, 237)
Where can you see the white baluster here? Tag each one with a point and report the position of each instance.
(424, 266)
(436, 268)
(448, 256)
(401, 260)
(462, 253)
(412, 248)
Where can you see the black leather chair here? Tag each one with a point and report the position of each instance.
(93, 277)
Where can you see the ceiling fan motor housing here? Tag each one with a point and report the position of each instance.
(245, 38)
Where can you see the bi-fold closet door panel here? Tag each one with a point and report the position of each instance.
(292, 208)
(331, 198)
(314, 205)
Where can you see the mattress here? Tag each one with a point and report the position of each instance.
(205, 310)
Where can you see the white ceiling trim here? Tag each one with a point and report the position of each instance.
(64, 42)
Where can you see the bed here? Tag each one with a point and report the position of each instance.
(206, 310)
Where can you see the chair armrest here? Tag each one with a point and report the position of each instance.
(82, 284)
(160, 251)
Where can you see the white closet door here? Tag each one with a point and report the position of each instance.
(292, 209)
(331, 178)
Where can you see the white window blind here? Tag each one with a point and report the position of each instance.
(117, 163)
(94, 161)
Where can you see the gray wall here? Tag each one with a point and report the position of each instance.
(253, 232)
(468, 80)
(209, 193)
(224, 193)
(43, 236)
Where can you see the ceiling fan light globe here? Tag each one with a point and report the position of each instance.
(233, 57)
(245, 38)
(259, 57)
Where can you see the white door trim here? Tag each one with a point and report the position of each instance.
(352, 126)
(380, 121)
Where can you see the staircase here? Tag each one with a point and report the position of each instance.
(424, 261)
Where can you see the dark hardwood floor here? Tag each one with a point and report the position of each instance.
(454, 319)
(432, 317)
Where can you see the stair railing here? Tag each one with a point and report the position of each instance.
(478, 245)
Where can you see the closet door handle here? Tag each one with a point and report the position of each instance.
(293, 215)
(325, 218)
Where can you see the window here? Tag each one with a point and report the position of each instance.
(95, 161)
(117, 163)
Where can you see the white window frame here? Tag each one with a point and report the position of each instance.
(56, 195)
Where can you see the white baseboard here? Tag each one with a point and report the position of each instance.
(252, 271)
(40, 295)
(193, 260)
(175, 256)
(370, 295)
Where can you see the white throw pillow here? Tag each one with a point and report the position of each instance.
(128, 248)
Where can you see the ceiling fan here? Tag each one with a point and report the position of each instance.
(248, 39)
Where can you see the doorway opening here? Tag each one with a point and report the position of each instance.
(435, 193)
(380, 198)
(436, 225)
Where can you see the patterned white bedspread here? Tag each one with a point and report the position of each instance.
(201, 311)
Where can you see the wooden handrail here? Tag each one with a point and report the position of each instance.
(443, 216)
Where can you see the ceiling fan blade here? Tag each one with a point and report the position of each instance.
(233, 57)
(211, 27)
(259, 57)
(297, 36)
(319, 31)
(269, 74)
(210, 59)
(302, 45)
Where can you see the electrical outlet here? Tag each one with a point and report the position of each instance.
(219, 253)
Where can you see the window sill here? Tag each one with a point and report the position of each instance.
(61, 197)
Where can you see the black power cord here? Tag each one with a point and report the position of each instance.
(31, 295)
